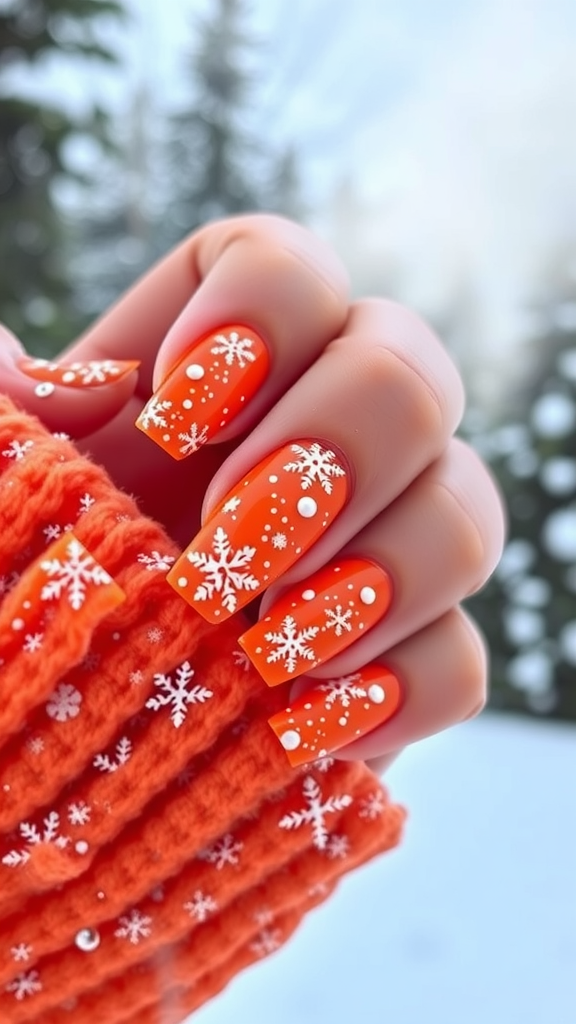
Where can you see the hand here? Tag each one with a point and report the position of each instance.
(404, 502)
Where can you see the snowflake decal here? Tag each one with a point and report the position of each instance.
(95, 371)
(200, 906)
(224, 851)
(231, 505)
(226, 571)
(156, 561)
(192, 439)
(279, 541)
(17, 451)
(315, 463)
(64, 703)
(86, 502)
(234, 349)
(343, 689)
(73, 575)
(177, 693)
(32, 836)
(25, 985)
(338, 620)
(134, 926)
(315, 812)
(291, 643)
(153, 413)
(35, 745)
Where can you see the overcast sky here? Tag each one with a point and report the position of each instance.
(454, 119)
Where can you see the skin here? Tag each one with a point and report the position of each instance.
(367, 376)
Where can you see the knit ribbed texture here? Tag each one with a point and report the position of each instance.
(154, 840)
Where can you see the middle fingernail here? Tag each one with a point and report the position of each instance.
(206, 390)
(261, 528)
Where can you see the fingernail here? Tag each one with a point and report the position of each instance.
(206, 390)
(336, 712)
(317, 618)
(92, 374)
(261, 528)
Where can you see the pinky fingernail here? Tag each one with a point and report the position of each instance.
(95, 373)
(336, 712)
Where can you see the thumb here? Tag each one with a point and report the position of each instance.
(76, 398)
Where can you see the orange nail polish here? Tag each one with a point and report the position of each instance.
(92, 374)
(317, 618)
(206, 390)
(261, 528)
(336, 712)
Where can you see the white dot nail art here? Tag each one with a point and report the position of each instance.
(307, 507)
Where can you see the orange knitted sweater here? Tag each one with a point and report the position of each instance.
(154, 840)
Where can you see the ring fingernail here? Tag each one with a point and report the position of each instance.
(205, 390)
(91, 374)
(317, 618)
(261, 528)
(336, 712)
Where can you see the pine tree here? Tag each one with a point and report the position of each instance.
(36, 299)
(528, 610)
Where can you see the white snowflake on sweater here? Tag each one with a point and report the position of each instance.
(32, 836)
(338, 619)
(73, 575)
(193, 439)
(337, 847)
(64, 702)
(200, 906)
(134, 926)
(21, 952)
(79, 813)
(35, 745)
(315, 463)
(223, 851)
(291, 643)
(153, 413)
(25, 985)
(234, 349)
(156, 561)
(17, 450)
(154, 635)
(315, 812)
(268, 941)
(372, 806)
(176, 692)
(226, 571)
(32, 642)
(241, 659)
(123, 754)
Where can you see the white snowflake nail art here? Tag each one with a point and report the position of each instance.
(315, 464)
(291, 644)
(226, 571)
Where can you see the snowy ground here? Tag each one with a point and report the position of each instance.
(472, 921)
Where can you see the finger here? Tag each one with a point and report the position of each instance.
(365, 420)
(246, 303)
(441, 672)
(74, 399)
(435, 545)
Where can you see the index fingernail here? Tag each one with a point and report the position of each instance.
(93, 373)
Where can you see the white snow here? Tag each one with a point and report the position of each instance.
(471, 921)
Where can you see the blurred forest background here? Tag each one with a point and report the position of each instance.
(88, 202)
